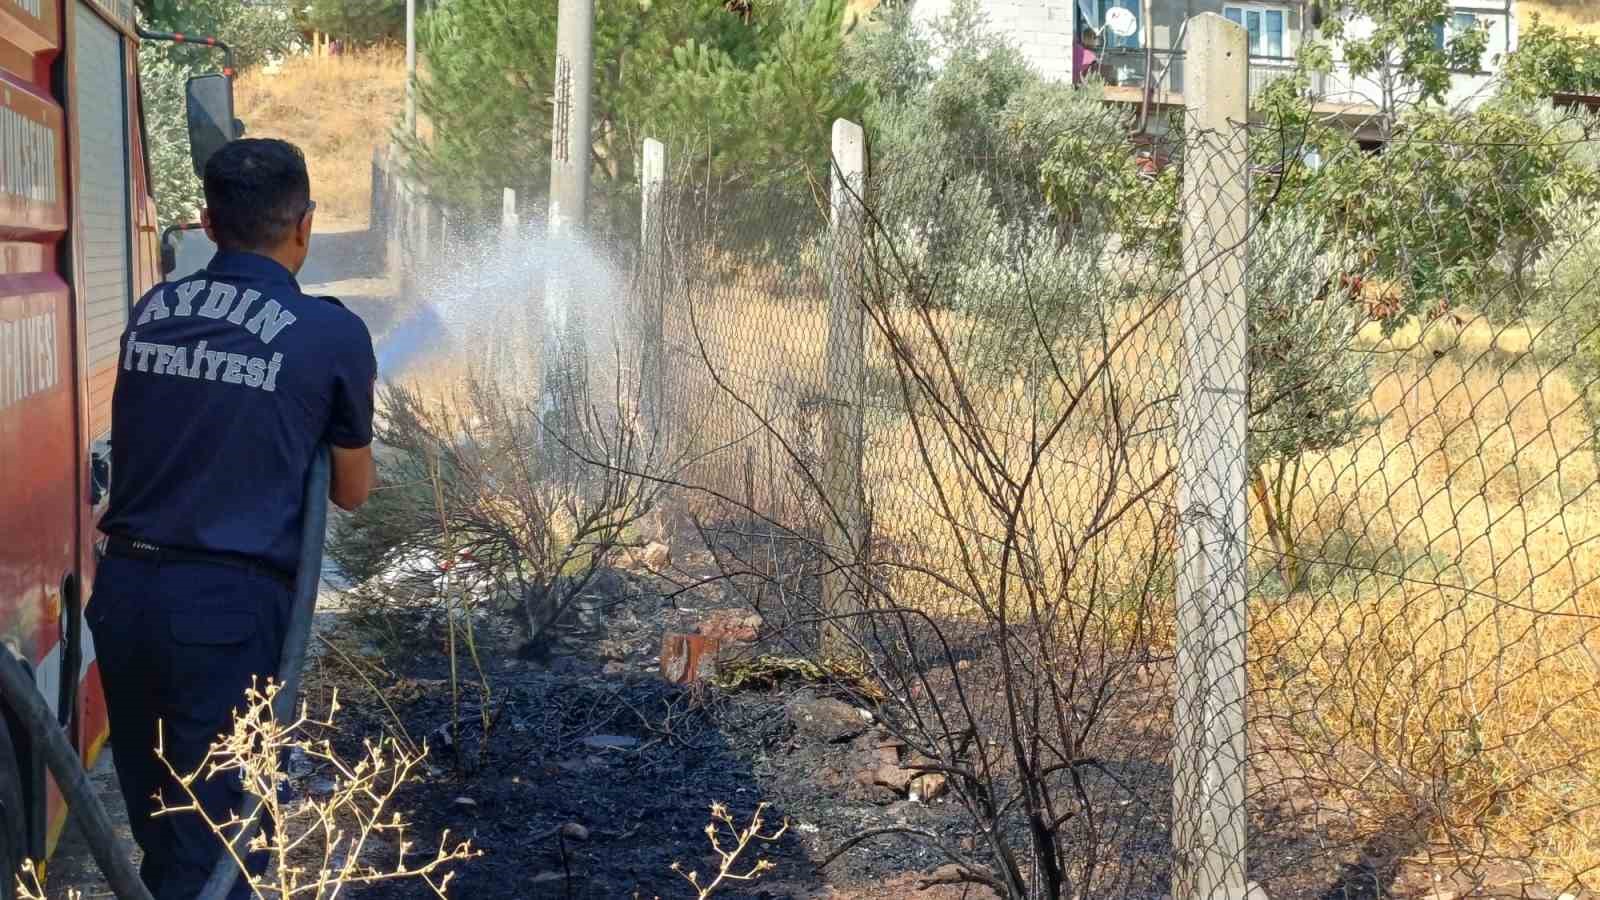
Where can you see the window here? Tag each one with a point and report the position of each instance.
(1111, 41)
(1447, 28)
(1268, 29)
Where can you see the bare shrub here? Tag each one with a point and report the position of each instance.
(320, 846)
(1013, 584)
(482, 509)
(30, 884)
(728, 855)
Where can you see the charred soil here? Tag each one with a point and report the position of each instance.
(595, 774)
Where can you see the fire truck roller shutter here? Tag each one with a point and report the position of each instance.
(100, 124)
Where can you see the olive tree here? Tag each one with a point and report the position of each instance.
(1309, 383)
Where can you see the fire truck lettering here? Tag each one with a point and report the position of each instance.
(251, 295)
(218, 301)
(186, 295)
(272, 319)
(27, 158)
(155, 308)
(31, 351)
(24, 358)
(27, 358)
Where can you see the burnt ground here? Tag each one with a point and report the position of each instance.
(594, 736)
(590, 735)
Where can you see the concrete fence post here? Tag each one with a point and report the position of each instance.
(389, 213)
(516, 349)
(844, 529)
(1209, 751)
(508, 214)
(652, 260)
(407, 223)
(424, 224)
(377, 228)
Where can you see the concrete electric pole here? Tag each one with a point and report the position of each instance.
(411, 67)
(569, 186)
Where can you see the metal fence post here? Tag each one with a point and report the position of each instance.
(652, 243)
(1209, 826)
(845, 524)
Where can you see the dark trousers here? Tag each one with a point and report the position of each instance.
(178, 644)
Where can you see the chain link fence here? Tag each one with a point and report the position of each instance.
(1214, 514)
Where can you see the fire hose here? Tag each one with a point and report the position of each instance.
(111, 852)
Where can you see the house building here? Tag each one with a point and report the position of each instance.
(1052, 34)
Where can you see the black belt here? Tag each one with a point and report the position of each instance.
(127, 549)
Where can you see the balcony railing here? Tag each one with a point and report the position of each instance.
(1126, 68)
(1264, 70)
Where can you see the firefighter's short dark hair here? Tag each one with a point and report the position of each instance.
(256, 191)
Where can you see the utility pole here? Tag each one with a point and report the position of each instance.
(411, 67)
(570, 138)
(570, 144)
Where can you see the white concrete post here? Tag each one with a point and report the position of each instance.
(508, 214)
(845, 526)
(652, 244)
(424, 252)
(570, 139)
(570, 158)
(410, 68)
(570, 153)
(515, 348)
(1209, 826)
(378, 211)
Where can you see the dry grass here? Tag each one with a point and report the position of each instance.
(1442, 662)
(337, 109)
(1450, 643)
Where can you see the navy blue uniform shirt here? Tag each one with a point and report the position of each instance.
(227, 382)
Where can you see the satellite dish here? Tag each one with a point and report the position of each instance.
(1121, 22)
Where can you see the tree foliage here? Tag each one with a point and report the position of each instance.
(1435, 212)
(360, 21)
(742, 94)
(257, 32)
(1309, 384)
(1397, 44)
(1550, 61)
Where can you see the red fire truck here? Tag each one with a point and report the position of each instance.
(78, 245)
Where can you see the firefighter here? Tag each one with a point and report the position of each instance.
(227, 382)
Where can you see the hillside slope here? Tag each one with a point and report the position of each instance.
(1574, 15)
(337, 109)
